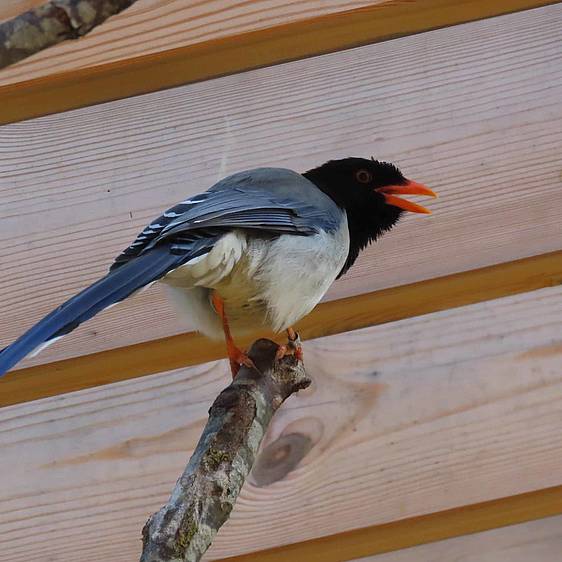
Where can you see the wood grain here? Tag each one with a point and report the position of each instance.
(51, 23)
(399, 539)
(539, 541)
(12, 8)
(403, 420)
(73, 83)
(328, 318)
(207, 490)
(153, 26)
(472, 111)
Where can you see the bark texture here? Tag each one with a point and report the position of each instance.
(205, 494)
(52, 23)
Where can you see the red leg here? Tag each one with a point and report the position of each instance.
(236, 356)
(295, 343)
(293, 346)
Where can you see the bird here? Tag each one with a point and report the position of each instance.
(258, 249)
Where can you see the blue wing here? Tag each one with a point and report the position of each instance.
(271, 200)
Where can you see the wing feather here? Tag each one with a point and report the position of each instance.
(271, 200)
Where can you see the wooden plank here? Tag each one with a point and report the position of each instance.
(212, 39)
(163, 26)
(333, 317)
(11, 8)
(539, 541)
(473, 111)
(533, 540)
(404, 420)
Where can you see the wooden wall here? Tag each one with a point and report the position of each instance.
(411, 416)
(481, 125)
(537, 540)
(407, 419)
(158, 44)
(153, 26)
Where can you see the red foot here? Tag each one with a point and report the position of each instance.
(299, 353)
(293, 347)
(238, 358)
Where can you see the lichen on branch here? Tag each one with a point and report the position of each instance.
(204, 496)
(52, 23)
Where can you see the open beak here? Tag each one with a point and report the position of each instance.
(410, 188)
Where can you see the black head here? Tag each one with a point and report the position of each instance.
(367, 190)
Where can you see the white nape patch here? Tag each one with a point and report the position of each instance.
(172, 215)
(43, 346)
(210, 269)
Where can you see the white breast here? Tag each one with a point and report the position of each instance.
(264, 282)
(296, 272)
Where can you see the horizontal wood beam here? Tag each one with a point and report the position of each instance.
(417, 530)
(329, 318)
(149, 73)
(403, 420)
(539, 540)
(484, 134)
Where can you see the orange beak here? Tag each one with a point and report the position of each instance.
(410, 188)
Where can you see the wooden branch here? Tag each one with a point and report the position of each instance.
(205, 494)
(52, 23)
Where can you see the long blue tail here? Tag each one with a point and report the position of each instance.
(114, 287)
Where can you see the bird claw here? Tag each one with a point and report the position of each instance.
(294, 337)
(295, 344)
(238, 359)
(293, 347)
(282, 351)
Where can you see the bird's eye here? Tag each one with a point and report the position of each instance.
(363, 176)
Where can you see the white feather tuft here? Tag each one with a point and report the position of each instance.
(44, 345)
(269, 283)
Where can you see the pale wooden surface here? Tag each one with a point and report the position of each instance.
(536, 541)
(473, 111)
(231, 54)
(152, 26)
(405, 419)
(12, 8)
(414, 531)
(328, 318)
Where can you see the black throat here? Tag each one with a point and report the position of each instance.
(368, 217)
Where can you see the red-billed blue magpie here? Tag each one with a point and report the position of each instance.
(259, 248)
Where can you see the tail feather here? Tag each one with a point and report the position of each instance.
(114, 287)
